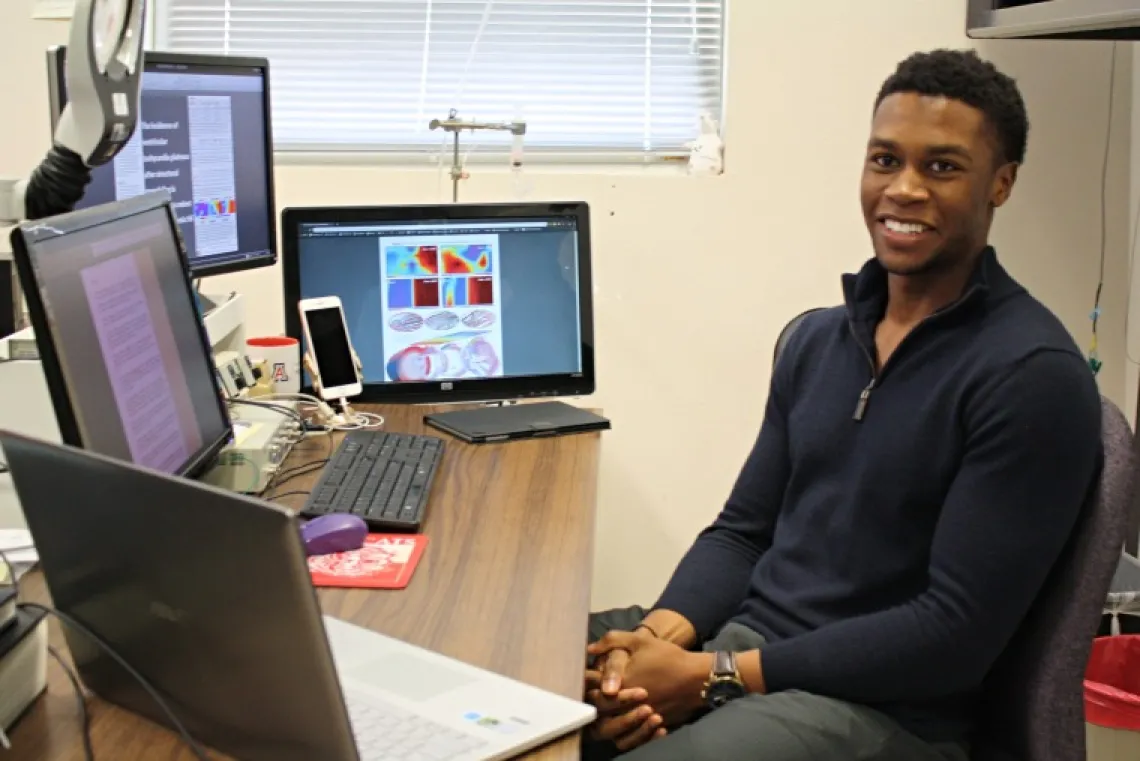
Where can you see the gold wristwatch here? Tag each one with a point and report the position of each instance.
(724, 682)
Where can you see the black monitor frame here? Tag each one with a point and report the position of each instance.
(27, 235)
(57, 89)
(483, 389)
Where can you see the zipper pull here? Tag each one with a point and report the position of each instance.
(864, 398)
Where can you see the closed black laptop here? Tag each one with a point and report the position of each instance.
(518, 421)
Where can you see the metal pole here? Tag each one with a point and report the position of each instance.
(455, 171)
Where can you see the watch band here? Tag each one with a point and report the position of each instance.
(724, 665)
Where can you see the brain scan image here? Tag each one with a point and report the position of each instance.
(406, 322)
(480, 318)
(481, 358)
(442, 321)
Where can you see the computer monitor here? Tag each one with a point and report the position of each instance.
(454, 302)
(203, 135)
(124, 351)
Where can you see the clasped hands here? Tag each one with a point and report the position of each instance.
(642, 685)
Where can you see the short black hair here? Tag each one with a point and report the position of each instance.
(962, 75)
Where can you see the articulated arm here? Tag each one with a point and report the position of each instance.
(104, 72)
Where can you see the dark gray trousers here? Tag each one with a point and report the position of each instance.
(785, 726)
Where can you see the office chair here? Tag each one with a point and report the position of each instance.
(1032, 706)
(786, 333)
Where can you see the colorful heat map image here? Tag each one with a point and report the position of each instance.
(218, 207)
(408, 293)
(466, 260)
(467, 353)
(412, 260)
(468, 291)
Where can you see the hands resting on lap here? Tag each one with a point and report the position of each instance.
(641, 685)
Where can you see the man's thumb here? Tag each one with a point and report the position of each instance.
(614, 671)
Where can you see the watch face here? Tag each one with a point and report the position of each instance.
(721, 691)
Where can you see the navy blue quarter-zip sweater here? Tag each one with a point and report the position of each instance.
(890, 529)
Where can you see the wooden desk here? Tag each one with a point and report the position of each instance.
(504, 584)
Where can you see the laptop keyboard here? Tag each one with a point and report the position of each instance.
(385, 732)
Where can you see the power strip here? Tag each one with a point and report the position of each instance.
(263, 439)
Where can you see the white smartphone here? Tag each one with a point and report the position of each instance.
(326, 336)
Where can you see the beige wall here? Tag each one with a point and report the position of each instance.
(694, 278)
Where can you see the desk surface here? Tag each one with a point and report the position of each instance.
(504, 584)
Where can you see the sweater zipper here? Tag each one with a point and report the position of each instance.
(876, 376)
(865, 394)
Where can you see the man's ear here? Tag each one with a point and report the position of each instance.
(1002, 188)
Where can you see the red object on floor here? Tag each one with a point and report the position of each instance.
(1112, 683)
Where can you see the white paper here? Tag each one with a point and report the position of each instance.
(13, 538)
(53, 9)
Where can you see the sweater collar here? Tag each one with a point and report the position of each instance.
(865, 292)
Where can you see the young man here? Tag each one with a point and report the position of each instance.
(925, 452)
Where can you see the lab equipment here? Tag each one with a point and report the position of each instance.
(107, 36)
(455, 125)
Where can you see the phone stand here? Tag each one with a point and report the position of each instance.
(345, 411)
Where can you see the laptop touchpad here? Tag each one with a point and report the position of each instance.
(411, 677)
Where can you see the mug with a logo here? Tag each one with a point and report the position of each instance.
(282, 357)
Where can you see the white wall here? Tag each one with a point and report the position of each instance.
(694, 278)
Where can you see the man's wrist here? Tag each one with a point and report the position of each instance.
(697, 676)
(751, 671)
(671, 626)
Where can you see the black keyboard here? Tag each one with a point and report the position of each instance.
(382, 477)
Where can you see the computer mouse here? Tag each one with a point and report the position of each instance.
(338, 532)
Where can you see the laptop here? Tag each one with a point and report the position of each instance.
(485, 425)
(207, 594)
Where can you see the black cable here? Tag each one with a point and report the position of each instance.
(290, 494)
(57, 184)
(288, 474)
(85, 715)
(287, 411)
(297, 472)
(146, 685)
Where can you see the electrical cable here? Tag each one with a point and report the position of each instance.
(1094, 349)
(65, 618)
(290, 494)
(297, 472)
(81, 697)
(287, 411)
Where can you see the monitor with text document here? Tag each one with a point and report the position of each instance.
(124, 352)
(204, 135)
(455, 302)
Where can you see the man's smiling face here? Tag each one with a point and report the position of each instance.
(931, 179)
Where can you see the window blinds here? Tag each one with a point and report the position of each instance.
(596, 78)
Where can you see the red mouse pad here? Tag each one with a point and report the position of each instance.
(386, 561)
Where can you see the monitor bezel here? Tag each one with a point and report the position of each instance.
(26, 236)
(57, 86)
(582, 383)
